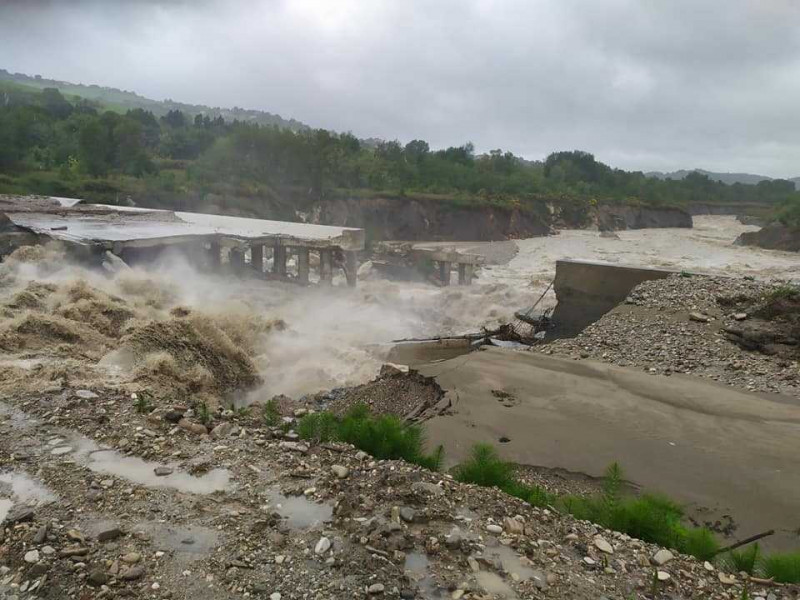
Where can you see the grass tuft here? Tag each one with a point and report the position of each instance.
(485, 468)
(271, 413)
(701, 544)
(784, 568)
(385, 437)
(747, 560)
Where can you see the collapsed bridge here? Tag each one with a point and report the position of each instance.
(238, 244)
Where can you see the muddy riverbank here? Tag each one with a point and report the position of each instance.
(706, 445)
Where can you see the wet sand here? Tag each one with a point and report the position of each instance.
(704, 444)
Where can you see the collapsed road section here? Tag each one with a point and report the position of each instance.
(137, 234)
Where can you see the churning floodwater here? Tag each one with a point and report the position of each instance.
(340, 336)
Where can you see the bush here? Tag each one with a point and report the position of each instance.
(747, 560)
(385, 437)
(784, 568)
(650, 517)
(272, 415)
(701, 544)
(487, 469)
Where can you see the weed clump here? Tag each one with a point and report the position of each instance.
(747, 561)
(384, 436)
(485, 468)
(784, 568)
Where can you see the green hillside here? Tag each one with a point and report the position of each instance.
(121, 101)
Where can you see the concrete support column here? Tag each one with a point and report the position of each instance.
(444, 271)
(302, 265)
(325, 267)
(350, 268)
(279, 261)
(257, 257)
(237, 260)
(214, 255)
(464, 274)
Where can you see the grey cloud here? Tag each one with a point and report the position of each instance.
(643, 85)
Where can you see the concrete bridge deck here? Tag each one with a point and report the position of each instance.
(128, 230)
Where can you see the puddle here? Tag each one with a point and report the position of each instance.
(188, 543)
(22, 489)
(506, 559)
(494, 584)
(299, 512)
(111, 462)
(417, 567)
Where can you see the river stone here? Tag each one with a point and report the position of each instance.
(340, 471)
(663, 576)
(133, 573)
(163, 471)
(61, 450)
(222, 430)
(32, 556)
(86, 394)
(492, 528)
(427, 488)
(662, 557)
(97, 578)
(323, 545)
(407, 514)
(602, 545)
(376, 588)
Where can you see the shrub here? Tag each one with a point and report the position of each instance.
(784, 568)
(485, 468)
(272, 415)
(701, 544)
(747, 560)
(383, 436)
(318, 427)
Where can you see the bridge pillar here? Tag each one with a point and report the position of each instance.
(279, 261)
(236, 259)
(464, 274)
(351, 268)
(325, 267)
(444, 271)
(302, 265)
(214, 255)
(257, 257)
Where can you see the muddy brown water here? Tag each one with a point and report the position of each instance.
(718, 450)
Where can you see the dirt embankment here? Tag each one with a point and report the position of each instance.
(416, 219)
(618, 217)
(411, 219)
(772, 237)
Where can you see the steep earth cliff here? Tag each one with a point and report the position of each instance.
(621, 216)
(772, 237)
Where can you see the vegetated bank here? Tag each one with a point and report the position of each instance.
(72, 147)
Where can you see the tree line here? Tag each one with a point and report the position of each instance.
(76, 138)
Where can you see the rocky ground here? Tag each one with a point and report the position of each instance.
(693, 325)
(109, 502)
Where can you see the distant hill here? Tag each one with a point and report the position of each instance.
(729, 178)
(122, 101)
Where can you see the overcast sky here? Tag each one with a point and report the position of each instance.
(643, 84)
